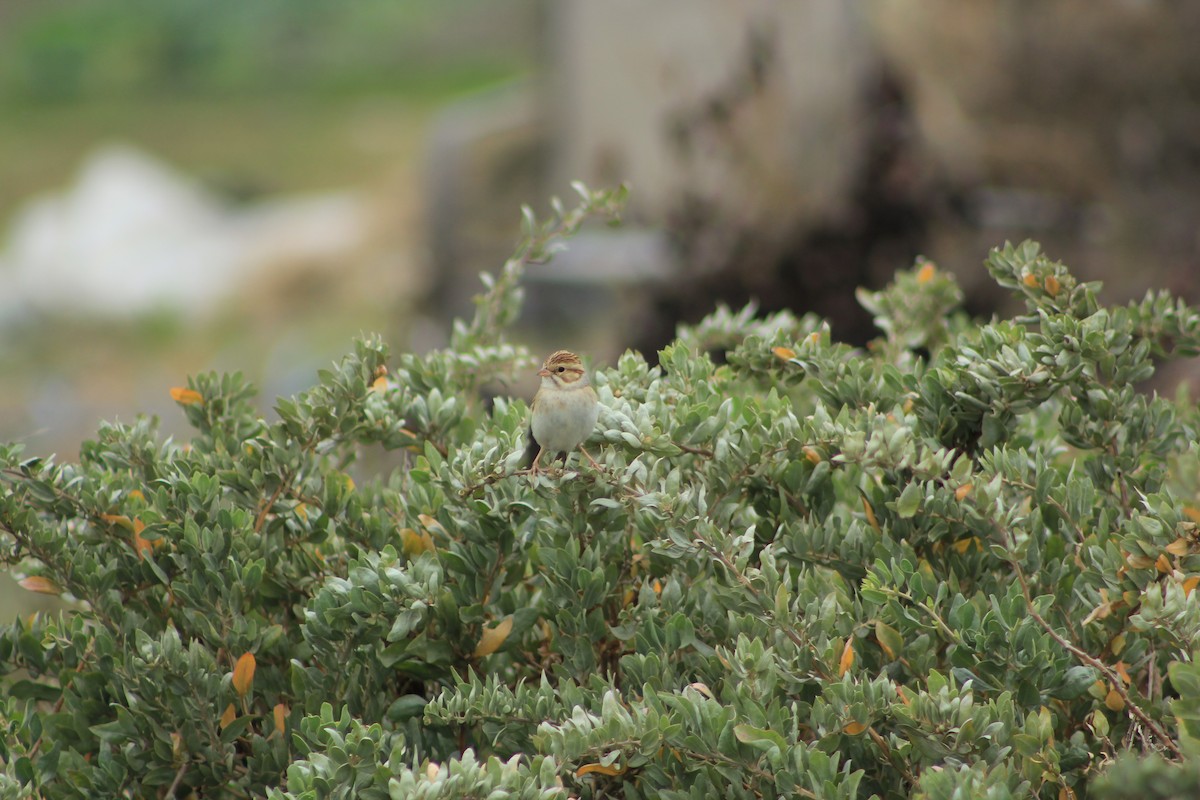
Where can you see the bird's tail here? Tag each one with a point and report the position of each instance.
(531, 450)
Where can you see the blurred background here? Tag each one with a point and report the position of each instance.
(208, 184)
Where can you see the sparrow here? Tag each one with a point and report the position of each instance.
(564, 411)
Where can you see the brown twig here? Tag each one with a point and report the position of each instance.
(284, 485)
(183, 768)
(1114, 679)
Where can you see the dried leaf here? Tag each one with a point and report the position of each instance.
(889, 639)
(1189, 584)
(1123, 671)
(186, 397)
(870, 512)
(118, 519)
(847, 659)
(243, 674)
(1052, 285)
(280, 714)
(413, 543)
(598, 769)
(1192, 513)
(1179, 547)
(1162, 563)
(493, 637)
(36, 583)
(963, 545)
(142, 545)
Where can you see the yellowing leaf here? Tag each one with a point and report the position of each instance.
(118, 519)
(140, 544)
(1099, 612)
(870, 512)
(302, 511)
(656, 586)
(854, 728)
(598, 769)
(889, 639)
(1189, 585)
(812, 455)
(1123, 672)
(814, 337)
(1179, 547)
(431, 524)
(186, 397)
(926, 273)
(413, 543)
(1162, 563)
(1192, 513)
(1117, 644)
(908, 405)
(36, 583)
(963, 545)
(1066, 793)
(136, 494)
(243, 674)
(962, 491)
(1030, 280)
(1139, 562)
(1052, 285)
(280, 715)
(703, 689)
(380, 384)
(431, 770)
(847, 659)
(493, 637)
(228, 716)
(784, 353)
(1113, 700)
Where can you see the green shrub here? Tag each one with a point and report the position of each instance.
(956, 565)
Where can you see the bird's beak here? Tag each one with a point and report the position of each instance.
(543, 373)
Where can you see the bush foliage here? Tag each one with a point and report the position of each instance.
(958, 564)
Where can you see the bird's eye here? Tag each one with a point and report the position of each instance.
(562, 369)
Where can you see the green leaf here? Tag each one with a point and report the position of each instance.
(909, 501)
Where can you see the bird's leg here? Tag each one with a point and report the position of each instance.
(591, 460)
(533, 469)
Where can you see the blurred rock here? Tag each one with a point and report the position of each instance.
(133, 235)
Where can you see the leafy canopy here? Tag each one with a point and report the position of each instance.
(958, 564)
